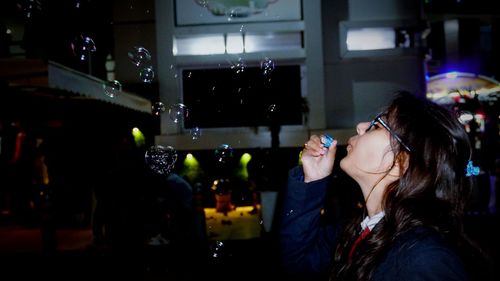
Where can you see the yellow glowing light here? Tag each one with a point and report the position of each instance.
(139, 138)
(243, 170)
(214, 185)
(192, 169)
(245, 158)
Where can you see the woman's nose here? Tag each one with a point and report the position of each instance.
(361, 127)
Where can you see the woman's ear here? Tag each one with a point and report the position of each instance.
(402, 162)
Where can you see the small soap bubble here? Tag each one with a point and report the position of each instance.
(78, 3)
(29, 7)
(161, 159)
(267, 66)
(218, 250)
(139, 56)
(147, 74)
(272, 112)
(158, 108)
(173, 71)
(230, 14)
(223, 153)
(195, 133)
(273, 108)
(82, 47)
(112, 88)
(178, 112)
(237, 12)
(238, 66)
(203, 3)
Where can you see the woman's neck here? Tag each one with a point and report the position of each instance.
(373, 195)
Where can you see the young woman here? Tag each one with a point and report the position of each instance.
(411, 164)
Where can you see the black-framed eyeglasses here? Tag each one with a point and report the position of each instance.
(378, 119)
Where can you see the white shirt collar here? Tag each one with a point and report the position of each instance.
(370, 222)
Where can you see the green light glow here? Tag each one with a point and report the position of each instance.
(139, 138)
(192, 169)
(243, 171)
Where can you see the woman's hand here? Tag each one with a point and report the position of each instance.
(317, 160)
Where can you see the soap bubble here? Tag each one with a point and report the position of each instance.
(178, 112)
(223, 153)
(238, 66)
(147, 74)
(161, 159)
(273, 108)
(158, 108)
(267, 66)
(218, 251)
(82, 47)
(112, 88)
(139, 56)
(203, 3)
(195, 133)
(29, 7)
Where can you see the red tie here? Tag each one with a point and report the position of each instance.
(362, 236)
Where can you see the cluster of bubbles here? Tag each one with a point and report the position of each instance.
(83, 47)
(161, 159)
(141, 58)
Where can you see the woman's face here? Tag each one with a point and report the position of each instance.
(369, 155)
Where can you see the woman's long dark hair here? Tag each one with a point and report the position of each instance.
(435, 176)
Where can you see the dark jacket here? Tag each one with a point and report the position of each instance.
(307, 246)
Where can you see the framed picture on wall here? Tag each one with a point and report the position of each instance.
(200, 12)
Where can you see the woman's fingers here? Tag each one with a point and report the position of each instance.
(314, 146)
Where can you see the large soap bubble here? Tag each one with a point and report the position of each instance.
(161, 159)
